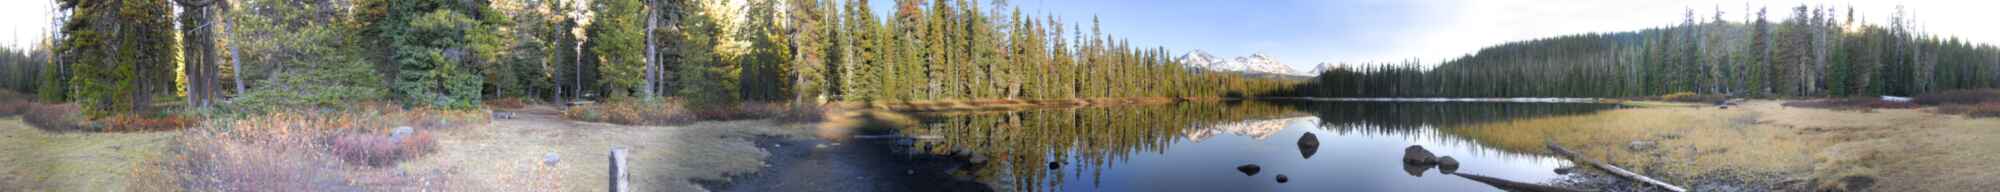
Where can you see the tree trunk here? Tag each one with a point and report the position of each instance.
(578, 59)
(652, 51)
(235, 60)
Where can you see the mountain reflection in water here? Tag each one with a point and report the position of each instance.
(1200, 146)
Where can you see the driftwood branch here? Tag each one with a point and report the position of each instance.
(1504, 184)
(1621, 172)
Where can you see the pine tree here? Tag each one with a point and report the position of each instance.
(700, 72)
(617, 39)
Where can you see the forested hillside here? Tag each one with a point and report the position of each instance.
(117, 57)
(1816, 52)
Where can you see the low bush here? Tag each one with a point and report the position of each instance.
(1690, 97)
(1981, 110)
(139, 123)
(220, 164)
(1851, 103)
(1957, 97)
(381, 150)
(507, 103)
(9, 108)
(55, 117)
(627, 112)
(308, 149)
(674, 112)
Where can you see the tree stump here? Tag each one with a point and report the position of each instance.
(618, 174)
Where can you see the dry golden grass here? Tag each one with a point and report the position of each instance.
(1691, 140)
(1901, 149)
(37, 160)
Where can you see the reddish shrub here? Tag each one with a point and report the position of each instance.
(1851, 103)
(1957, 97)
(381, 150)
(1690, 97)
(224, 164)
(1981, 110)
(57, 117)
(666, 112)
(13, 107)
(507, 103)
(137, 123)
(672, 112)
(1880, 104)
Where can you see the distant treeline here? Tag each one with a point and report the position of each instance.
(959, 50)
(20, 68)
(1817, 52)
(116, 57)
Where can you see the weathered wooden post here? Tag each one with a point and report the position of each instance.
(618, 174)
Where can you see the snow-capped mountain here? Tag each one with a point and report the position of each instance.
(1199, 59)
(1265, 64)
(1258, 63)
(1255, 129)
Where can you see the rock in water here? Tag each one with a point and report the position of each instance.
(1417, 170)
(1055, 165)
(1308, 145)
(1308, 140)
(1282, 178)
(1447, 165)
(1416, 154)
(1249, 169)
(1565, 170)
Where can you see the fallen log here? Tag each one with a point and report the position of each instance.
(1504, 184)
(1621, 172)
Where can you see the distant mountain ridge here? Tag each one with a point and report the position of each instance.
(1258, 64)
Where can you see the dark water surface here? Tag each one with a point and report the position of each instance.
(1199, 146)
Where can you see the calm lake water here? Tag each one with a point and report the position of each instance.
(1198, 146)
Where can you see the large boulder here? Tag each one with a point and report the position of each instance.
(1416, 154)
(1447, 165)
(1249, 169)
(1308, 145)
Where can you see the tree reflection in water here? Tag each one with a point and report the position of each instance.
(1041, 149)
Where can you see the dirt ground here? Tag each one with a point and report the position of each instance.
(513, 154)
(1772, 146)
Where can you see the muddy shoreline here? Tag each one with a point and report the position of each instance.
(812, 164)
